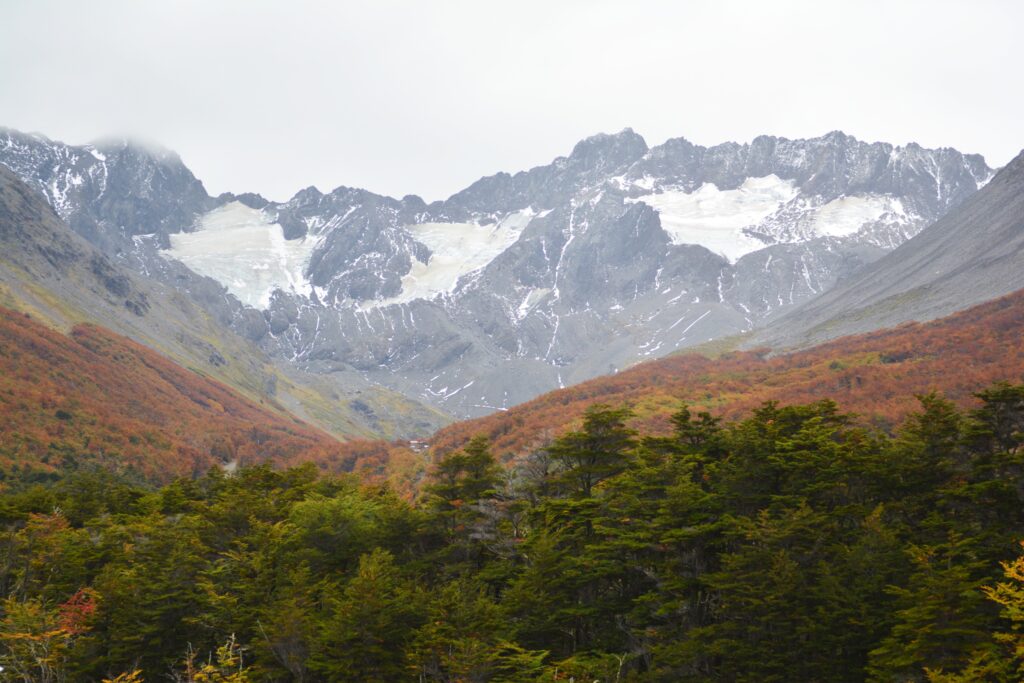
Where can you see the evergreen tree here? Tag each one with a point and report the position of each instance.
(595, 453)
(369, 623)
(1001, 659)
(940, 616)
(460, 484)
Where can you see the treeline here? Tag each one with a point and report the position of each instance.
(790, 546)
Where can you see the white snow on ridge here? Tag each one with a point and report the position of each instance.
(645, 183)
(983, 181)
(456, 250)
(716, 218)
(247, 253)
(846, 215)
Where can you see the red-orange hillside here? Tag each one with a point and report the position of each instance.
(875, 375)
(94, 396)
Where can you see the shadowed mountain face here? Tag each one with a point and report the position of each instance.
(520, 283)
(60, 278)
(972, 254)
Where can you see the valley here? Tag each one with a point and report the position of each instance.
(719, 399)
(532, 342)
(498, 294)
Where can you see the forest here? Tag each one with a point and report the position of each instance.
(793, 543)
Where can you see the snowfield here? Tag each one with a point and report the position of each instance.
(240, 248)
(246, 252)
(456, 250)
(719, 219)
(846, 215)
(716, 218)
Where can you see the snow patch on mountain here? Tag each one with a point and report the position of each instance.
(847, 215)
(588, 290)
(456, 250)
(530, 301)
(762, 211)
(243, 250)
(716, 219)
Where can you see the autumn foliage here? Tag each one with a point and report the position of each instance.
(93, 397)
(874, 375)
(792, 545)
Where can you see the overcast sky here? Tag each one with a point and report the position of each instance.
(425, 97)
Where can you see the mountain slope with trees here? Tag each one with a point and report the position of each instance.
(875, 375)
(58, 277)
(95, 399)
(790, 545)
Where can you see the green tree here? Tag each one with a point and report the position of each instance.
(150, 596)
(596, 452)
(465, 638)
(764, 609)
(459, 485)
(940, 616)
(1001, 659)
(368, 624)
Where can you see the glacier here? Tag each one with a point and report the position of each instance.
(716, 219)
(247, 253)
(728, 222)
(847, 215)
(456, 250)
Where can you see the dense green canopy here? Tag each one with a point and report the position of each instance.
(790, 546)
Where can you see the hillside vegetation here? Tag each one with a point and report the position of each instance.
(93, 398)
(874, 375)
(789, 546)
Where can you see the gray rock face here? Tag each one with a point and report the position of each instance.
(522, 283)
(49, 271)
(111, 191)
(971, 255)
(365, 251)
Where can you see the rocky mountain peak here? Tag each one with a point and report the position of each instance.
(606, 152)
(522, 281)
(138, 149)
(971, 254)
(838, 138)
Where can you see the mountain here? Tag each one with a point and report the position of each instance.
(93, 398)
(59, 278)
(520, 283)
(972, 254)
(876, 375)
